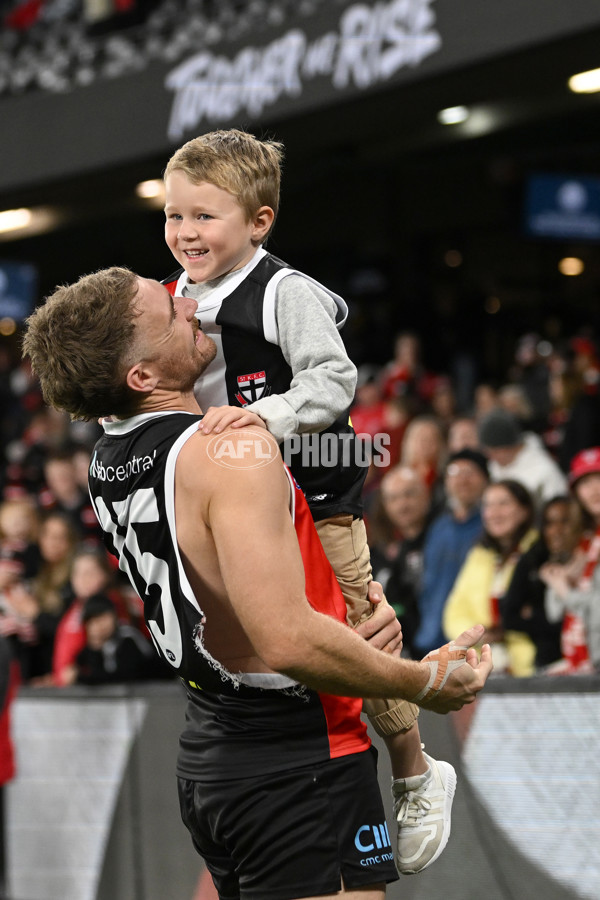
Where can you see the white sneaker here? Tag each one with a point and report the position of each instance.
(422, 807)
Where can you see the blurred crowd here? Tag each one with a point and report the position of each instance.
(59, 45)
(66, 612)
(489, 514)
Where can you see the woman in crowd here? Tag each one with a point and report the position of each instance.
(524, 607)
(479, 590)
(50, 589)
(574, 595)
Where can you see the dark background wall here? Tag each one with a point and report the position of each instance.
(375, 190)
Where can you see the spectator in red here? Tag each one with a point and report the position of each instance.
(368, 410)
(586, 362)
(9, 680)
(574, 593)
(405, 376)
(91, 573)
(424, 450)
(374, 416)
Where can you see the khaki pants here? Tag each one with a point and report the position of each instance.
(344, 540)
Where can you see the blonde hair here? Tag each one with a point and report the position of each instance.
(52, 579)
(237, 162)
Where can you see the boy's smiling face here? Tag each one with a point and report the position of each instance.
(206, 229)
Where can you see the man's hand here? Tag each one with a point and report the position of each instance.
(382, 629)
(456, 673)
(217, 418)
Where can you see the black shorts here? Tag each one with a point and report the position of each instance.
(293, 834)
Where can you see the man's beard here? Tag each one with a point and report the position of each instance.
(184, 377)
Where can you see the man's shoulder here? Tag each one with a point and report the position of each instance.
(533, 447)
(221, 457)
(536, 455)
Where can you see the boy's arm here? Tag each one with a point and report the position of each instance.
(324, 377)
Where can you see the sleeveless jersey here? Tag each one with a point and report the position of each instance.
(253, 366)
(237, 724)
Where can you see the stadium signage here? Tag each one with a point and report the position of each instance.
(370, 45)
(344, 51)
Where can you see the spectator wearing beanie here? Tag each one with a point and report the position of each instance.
(449, 539)
(520, 456)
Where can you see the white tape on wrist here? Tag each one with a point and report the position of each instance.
(442, 663)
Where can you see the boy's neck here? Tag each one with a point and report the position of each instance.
(197, 289)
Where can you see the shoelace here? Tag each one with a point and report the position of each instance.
(411, 807)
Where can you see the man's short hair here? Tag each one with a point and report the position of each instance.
(470, 455)
(234, 161)
(80, 343)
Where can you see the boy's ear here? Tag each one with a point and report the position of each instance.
(141, 378)
(263, 219)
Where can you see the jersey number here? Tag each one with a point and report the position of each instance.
(143, 569)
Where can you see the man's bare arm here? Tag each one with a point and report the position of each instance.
(261, 566)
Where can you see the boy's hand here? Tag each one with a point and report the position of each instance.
(217, 418)
(382, 629)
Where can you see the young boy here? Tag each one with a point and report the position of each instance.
(280, 356)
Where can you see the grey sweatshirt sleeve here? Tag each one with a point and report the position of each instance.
(324, 377)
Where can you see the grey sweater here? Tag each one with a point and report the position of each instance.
(324, 377)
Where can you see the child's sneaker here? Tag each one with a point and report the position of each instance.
(422, 806)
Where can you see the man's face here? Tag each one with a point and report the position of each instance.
(206, 229)
(465, 483)
(405, 499)
(502, 514)
(169, 335)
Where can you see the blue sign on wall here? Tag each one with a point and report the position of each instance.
(563, 207)
(18, 286)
